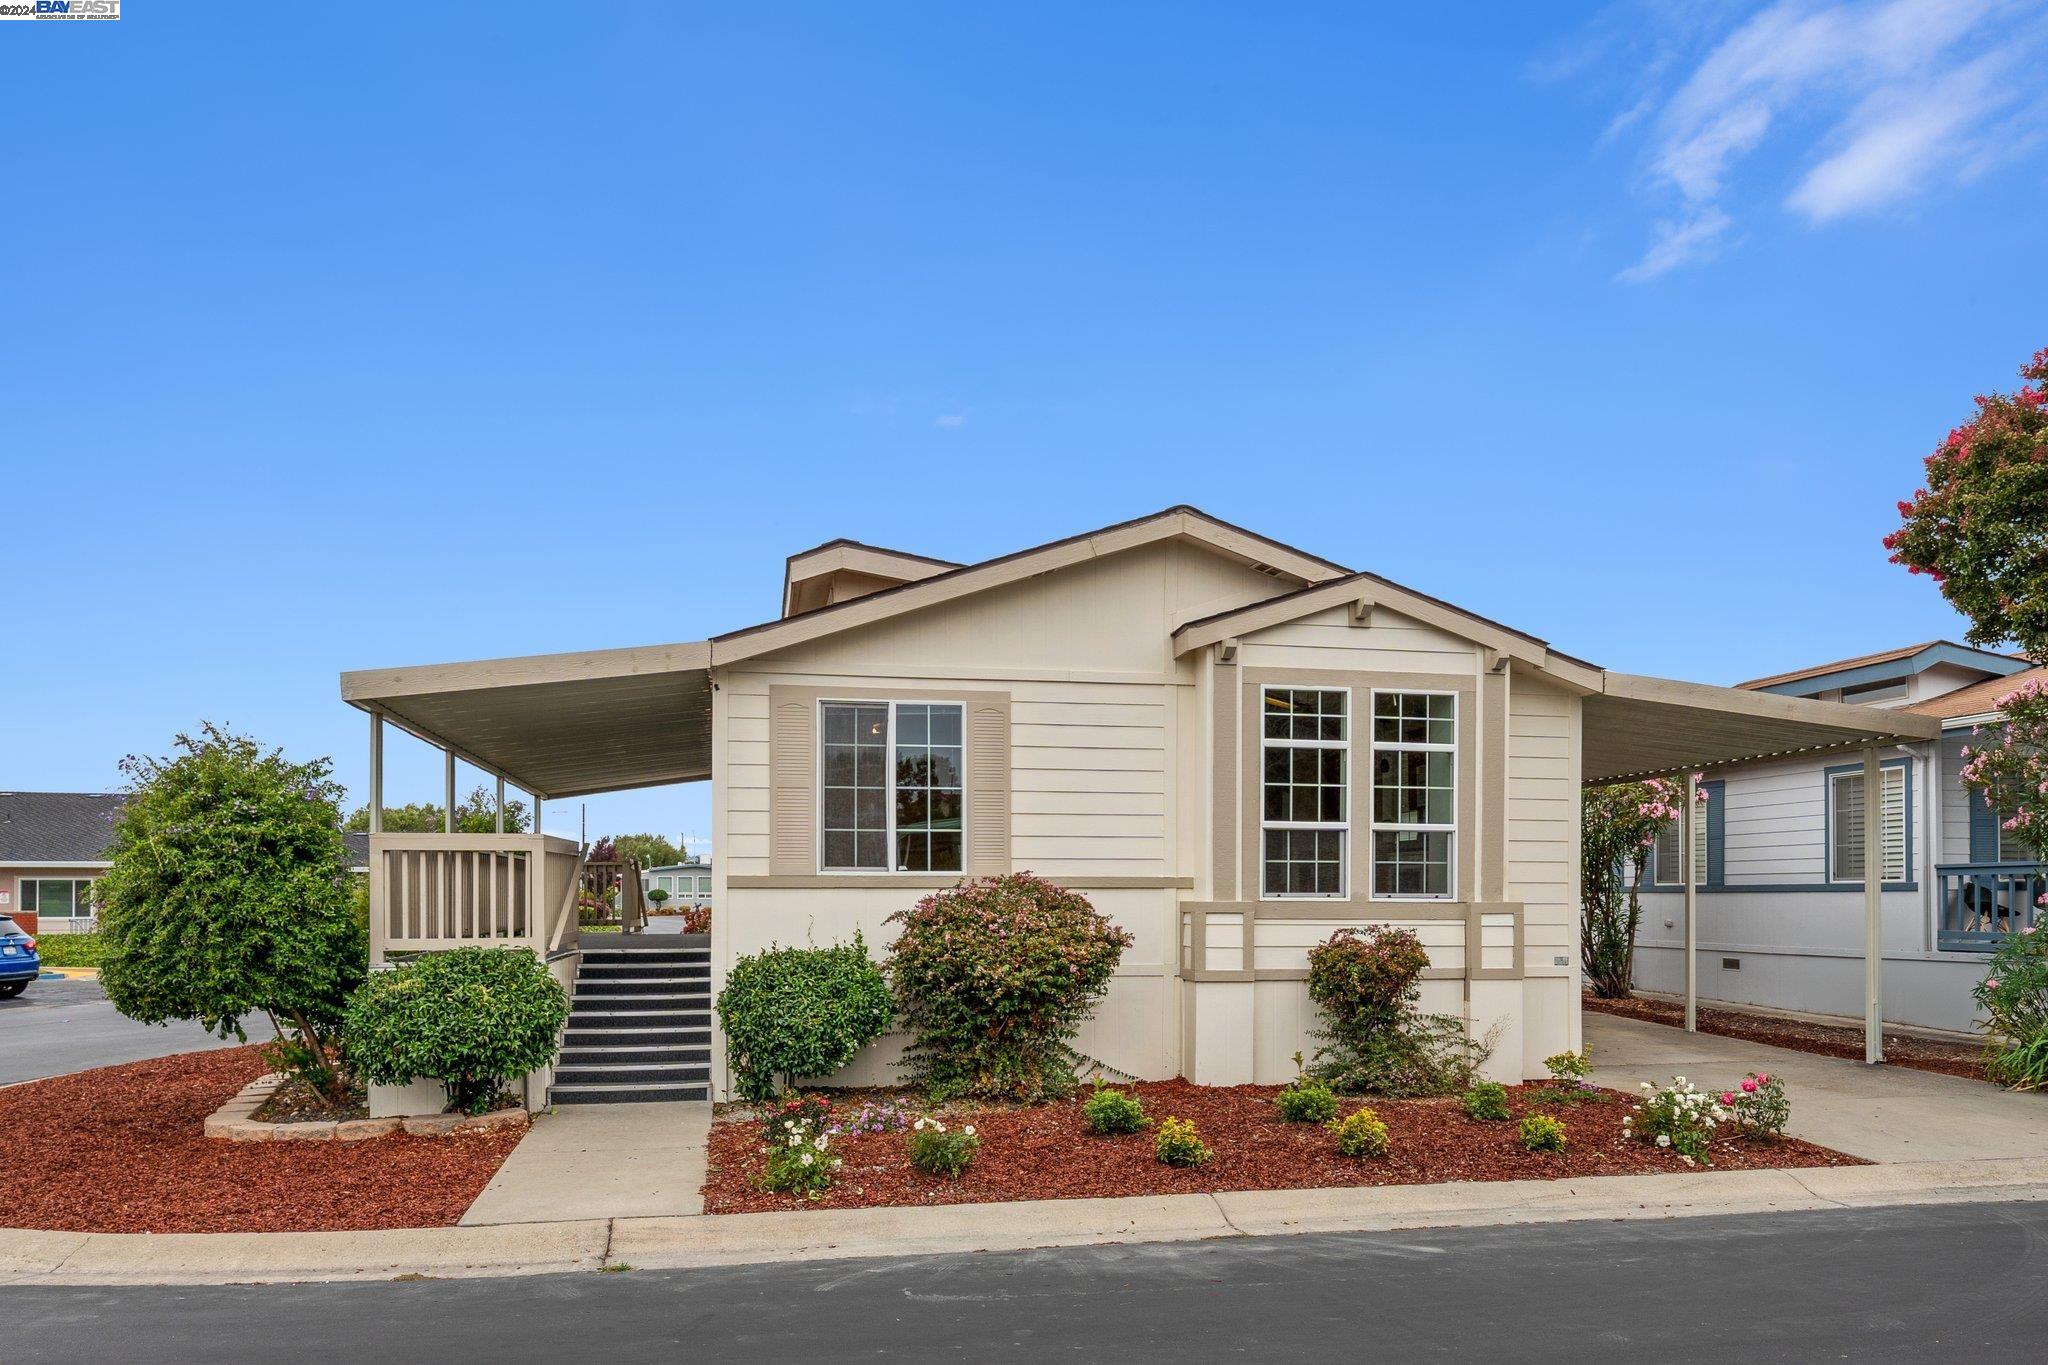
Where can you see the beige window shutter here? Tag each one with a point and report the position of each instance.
(792, 784)
(988, 787)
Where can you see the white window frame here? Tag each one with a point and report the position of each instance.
(1346, 852)
(1372, 822)
(889, 802)
(21, 885)
(1834, 823)
(1658, 872)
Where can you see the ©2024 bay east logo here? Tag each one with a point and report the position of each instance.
(60, 9)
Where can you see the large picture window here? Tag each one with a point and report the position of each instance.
(1304, 801)
(1414, 794)
(1845, 824)
(892, 787)
(57, 897)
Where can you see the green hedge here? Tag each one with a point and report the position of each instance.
(794, 1013)
(71, 950)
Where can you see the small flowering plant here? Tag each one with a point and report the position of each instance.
(793, 1113)
(938, 1150)
(1759, 1105)
(875, 1116)
(800, 1163)
(1679, 1117)
(2014, 998)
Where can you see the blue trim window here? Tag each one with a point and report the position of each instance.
(1844, 824)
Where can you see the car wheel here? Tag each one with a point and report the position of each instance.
(10, 989)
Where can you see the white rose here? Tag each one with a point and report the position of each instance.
(1663, 1141)
(807, 1158)
(970, 1130)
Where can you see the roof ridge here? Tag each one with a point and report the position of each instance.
(1875, 657)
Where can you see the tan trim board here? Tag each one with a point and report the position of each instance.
(1296, 974)
(937, 881)
(1223, 683)
(1493, 778)
(375, 683)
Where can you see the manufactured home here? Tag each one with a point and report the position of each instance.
(1781, 852)
(1232, 746)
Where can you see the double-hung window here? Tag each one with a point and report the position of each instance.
(1304, 801)
(892, 788)
(1666, 870)
(1845, 824)
(1414, 794)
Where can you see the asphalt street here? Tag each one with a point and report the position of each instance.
(58, 1026)
(1937, 1283)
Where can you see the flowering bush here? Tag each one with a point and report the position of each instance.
(1975, 528)
(793, 1012)
(938, 1150)
(793, 1112)
(800, 1163)
(2011, 768)
(1540, 1133)
(1487, 1100)
(1759, 1105)
(1364, 983)
(994, 977)
(697, 919)
(1679, 1116)
(886, 1116)
(1360, 1134)
(1307, 1101)
(1179, 1145)
(1618, 825)
(2014, 993)
(1110, 1111)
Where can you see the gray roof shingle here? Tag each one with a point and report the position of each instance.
(57, 827)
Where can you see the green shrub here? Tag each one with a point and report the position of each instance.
(938, 1150)
(1569, 1068)
(1679, 1116)
(1541, 1133)
(2014, 994)
(1487, 1100)
(1364, 980)
(1307, 1101)
(993, 978)
(797, 1012)
(794, 1112)
(71, 950)
(1178, 1144)
(801, 1164)
(228, 894)
(1759, 1104)
(471, 1018)
(1418, 1055)
(1364, 983)
(1110, 1111)
(1361, 1134)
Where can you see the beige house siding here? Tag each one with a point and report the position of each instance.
(1543, 860)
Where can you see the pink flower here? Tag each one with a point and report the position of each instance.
(1990, 983)
(1727, 1097)
(1748, 1088)
(1763, 1078)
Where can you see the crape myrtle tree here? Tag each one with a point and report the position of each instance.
(1618, 826)
(1979, 529)
(228, 895)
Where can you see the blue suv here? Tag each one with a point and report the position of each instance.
(18, 961)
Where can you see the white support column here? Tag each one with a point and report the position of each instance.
(448, 788)
(501, 805)
(536, 811)
(1873, 905)
(1688, 812)
(376, 773)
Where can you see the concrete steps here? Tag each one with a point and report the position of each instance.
(639, 1024)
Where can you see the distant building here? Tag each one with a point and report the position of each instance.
(53, 847)
(687, 883)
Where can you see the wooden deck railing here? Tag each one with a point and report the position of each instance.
(434, 891)
(1982, 903)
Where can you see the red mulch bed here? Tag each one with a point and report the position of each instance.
(1827, 1040)
(1046, 1152)
(122, 1149)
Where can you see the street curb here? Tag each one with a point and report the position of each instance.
(73, 1258)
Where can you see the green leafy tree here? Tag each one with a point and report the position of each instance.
(476, 813)
(1618, 824)
(649, 850)
(228, 894)
(1977, 528)
(473, 1019)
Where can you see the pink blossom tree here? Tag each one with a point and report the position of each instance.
(1618, 826)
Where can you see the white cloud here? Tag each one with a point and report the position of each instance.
(1879, 98)
(950, 419)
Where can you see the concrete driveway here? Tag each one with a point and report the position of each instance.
(56, 1027)
(1880, 1113)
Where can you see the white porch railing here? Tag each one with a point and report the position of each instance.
(435, 891)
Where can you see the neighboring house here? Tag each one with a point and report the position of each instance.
(1233, 747)
(1781, 857)
(53, 846)
(687, 884)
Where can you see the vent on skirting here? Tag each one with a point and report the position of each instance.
(1731, 964)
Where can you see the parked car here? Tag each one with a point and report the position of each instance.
(18, 961)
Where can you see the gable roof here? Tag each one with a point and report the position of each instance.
(821, 561)
(1936, 651)
(57, 827)
(1270, 556)
(1978, 699)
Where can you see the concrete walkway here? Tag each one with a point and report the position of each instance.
(581, 1162)
(1880, 1113)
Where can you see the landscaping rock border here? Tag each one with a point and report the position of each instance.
(235, 1121)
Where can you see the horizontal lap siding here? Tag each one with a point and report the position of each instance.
(1955, 802)
(1088, 772)
(1774, 825)
(1329, 640)
(1543, 824)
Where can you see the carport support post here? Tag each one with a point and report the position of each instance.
(501, 805)
(448, 789)
(376, 773)
(1873, 905)
(1691, 876)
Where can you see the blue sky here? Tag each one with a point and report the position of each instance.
(350, 337)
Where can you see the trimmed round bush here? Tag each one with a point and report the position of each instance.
(797, 1012)
(1541, 1133)
(993, 978)
(1307, 1101)
(1487, 1100)
(1363, 980)
(1110, 1111)
(1178, 1144)
(471, 1018)
(1361, 1134)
